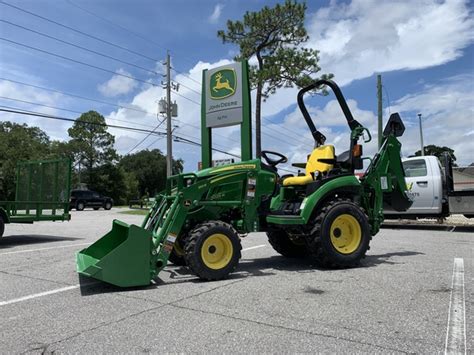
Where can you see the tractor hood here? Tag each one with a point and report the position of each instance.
(234, 167)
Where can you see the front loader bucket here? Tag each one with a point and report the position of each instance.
(121, 257)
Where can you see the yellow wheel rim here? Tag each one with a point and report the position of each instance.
(217, 251)
(346, 234)
(177, 249)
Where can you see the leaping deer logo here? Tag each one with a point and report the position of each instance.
(219, 84)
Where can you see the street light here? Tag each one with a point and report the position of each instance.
(421, 136)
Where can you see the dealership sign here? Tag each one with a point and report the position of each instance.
(223, 96)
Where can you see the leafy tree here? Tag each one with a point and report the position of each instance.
(91, 145)
(111, 180)
(274, 36)
(438, 152)
(149, 168)
(18, 142)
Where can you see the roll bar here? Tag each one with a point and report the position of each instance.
(318, 136)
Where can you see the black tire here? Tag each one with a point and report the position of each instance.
(283, 245)
(108, 205)
(222, 254)
(80, 206)
(2, 226)
(177, 254)
(96, 208)
(350, 237)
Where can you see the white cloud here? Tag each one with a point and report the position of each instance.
(55, 129)
(118, 84)
(216, 14)
(363, 37)
(448, 117)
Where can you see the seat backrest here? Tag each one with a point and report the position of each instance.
(322, 152)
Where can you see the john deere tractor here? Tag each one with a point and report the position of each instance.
(327, 213)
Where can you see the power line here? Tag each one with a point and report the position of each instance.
(80, 47)
(139, 130)
(101, 102)
(186, 75)
(65, 109)
(79, 31)
(187, 98)
(187, 87)
(108, 118)
(109, 43)
(78, 61)
(79, 96)
(144, 139)
(15, 110)
(136, 34)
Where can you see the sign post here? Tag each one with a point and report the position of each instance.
(225, 102)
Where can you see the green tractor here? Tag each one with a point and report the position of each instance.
(327, 213)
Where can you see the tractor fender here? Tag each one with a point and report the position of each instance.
(344, 184)
(4, 215)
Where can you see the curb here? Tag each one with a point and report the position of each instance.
(443, 228)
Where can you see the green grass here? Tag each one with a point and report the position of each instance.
(136, 212)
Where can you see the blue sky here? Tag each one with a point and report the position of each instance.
(423, 49)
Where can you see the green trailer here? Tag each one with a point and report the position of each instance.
(43, 188)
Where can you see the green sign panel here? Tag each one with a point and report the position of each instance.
(225, 102)
(223, 84)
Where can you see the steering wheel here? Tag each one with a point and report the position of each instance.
(273, 162)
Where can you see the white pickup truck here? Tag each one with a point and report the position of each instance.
(431, 188)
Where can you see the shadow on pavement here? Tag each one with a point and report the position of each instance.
(16, 240)
(173, 275)
(89, 287)
(374, 260)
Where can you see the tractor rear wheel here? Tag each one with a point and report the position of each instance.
(2, 226)
(177, 254)
(341, 235)
(282, 244)
(212, 250)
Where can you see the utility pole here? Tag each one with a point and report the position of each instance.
(421, 136)
(169, 139)
(379, 108)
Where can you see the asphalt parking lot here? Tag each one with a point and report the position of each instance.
(399, 301)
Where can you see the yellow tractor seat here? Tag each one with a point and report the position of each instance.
(313, 165)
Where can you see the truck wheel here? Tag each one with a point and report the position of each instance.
(212, 250)
(80, 206)
(2, 226)
(177, 254)
(341, 235)
(282, 244)
(108, 205)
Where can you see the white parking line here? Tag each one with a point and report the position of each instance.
(64, 289)
(40, 249)
(255, 247)
(456, 332)
(41, 294)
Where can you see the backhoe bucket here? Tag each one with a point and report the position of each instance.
(121, 257)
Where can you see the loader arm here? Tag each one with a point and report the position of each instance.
(384, 180)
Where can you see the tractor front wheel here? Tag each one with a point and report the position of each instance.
(282, 244)
(177, 254)
(212, 250)
(341, 235)
(2, 226)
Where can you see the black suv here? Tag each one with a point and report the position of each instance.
(81, 199)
